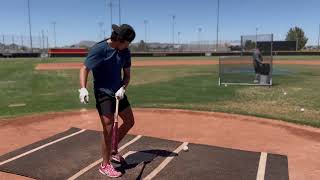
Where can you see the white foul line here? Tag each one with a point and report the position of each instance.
(40, 147)
(262, 166)
(164, 163)
(82, 171)
(128, 154)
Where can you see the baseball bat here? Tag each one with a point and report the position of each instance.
(115, 129)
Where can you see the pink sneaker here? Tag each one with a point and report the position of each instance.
(109, 170)
(117, 158)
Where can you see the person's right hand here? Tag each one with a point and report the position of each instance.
(84, 95)
(120, 93)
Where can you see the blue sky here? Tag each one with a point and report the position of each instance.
(78, 20)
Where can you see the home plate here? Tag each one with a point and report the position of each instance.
(83, 110)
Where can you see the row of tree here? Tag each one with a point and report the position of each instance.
(297, 34)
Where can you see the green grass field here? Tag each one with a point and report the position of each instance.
(53, 60)
(181, 87)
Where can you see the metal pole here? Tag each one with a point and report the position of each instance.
(218, 14)
(111, 13)
(256, 37)
(148, 31)
(40, 41)
(199, 38)
(119, 12)
(106, 5)
(54, 34)
(319, 38)
(13, 45)
(297, 40)
(145, 30)
(173, 18)
(30, 25)
(47, 42)
(4, 46)
(47, 39)
(21, 41)
(43, 47)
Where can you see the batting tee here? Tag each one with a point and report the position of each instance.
(241, 70)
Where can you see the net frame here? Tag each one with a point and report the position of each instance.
(264, 42)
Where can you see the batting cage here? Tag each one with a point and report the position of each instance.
(253, 66)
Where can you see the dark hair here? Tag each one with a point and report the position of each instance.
(123, 33)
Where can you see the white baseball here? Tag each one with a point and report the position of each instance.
(302, 109)
(185, 148)
(285, 93)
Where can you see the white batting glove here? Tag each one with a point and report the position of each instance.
(120, 93)
(84, 95)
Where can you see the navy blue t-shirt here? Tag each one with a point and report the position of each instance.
(106, 64)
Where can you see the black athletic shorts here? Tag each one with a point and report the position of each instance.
(106, 104)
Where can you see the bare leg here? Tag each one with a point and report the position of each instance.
(107, 123)
(128, 122)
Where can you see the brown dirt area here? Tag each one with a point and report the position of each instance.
(300, 143)
(77, 65)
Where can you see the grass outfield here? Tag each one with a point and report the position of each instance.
(182, 87)
(54, 60)
(296, 57)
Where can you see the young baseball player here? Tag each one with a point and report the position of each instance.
(110, 62)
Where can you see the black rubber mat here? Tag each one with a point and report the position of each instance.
(208, 162)
(60, 160)
(277, 167)
(66, 158)
(37, 144)
(150, 153)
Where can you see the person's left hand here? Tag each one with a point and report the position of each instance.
(120, 93)
(84, 95)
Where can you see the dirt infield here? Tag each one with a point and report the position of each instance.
(300, 143)
(77, 65)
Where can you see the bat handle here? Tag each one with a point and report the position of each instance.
(117, 110)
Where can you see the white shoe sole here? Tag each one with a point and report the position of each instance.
(107, 174)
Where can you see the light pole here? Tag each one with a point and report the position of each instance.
(319, 38)
(43, 46)
(179, 33)
(40, 41)
(47, 39)
(145, 30)
(297, 39)
(199, 37)
(218, 14)
(21, 40)
(119, 12)
(30, 33)
(54, 33)
(110, 4)
(173, 18)
(256, 36)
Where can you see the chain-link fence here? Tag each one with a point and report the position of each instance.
(193, 46)
(23, 44)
